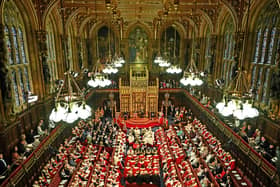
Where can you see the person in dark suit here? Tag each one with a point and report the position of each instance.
(3, 167)
(30, 136)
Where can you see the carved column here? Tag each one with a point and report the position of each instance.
(238, 48)
(213, 65)
(41, 36)
(6, 104)
(4, 95)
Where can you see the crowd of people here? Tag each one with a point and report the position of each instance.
(169, 84)
(213, 163)
(27, 143)
(100, 153)
(258, 142)
(253, 136)
(95, 149)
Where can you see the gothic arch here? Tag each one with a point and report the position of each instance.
(71, 17)
(144, 26)
(100, 24)
(84, 23)
(223, 22)
(28, 19)
(255, 11)
(208, 22)
(227, 10)
(179, 27)
(49, 10)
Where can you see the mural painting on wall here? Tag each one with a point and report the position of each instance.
(138, 46)
(103, 44)
(167, 44)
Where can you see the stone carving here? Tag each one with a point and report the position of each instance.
(43, 54)
(138, 45)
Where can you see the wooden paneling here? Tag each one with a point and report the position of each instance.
(22, 124)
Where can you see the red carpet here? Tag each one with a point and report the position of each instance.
(142, 185)
(138, 122)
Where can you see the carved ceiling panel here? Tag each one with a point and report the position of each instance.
(147, 11)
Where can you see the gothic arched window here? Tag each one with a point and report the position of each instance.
(17, 56)
(208, 48)
(170, 49)
(228, 53)
(51, 60)
(267, 42)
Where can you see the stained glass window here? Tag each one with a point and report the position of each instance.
(51, 60)
(22, 48)
(17, 56)
(264, 45)
(253, 77)
(14, 33)
(14, 78)
(267, 41)
(259, 82)
(265, 91)
(278, 48)
(224, 70)
(257, 45)
(228, 52)
(9, 46)
(27, 79)
(230, 49)
(226, 45)
(21, 83)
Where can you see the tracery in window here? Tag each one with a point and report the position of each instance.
(9, 45)
(266, 43)
(265, 91)
(51, 60)
(17, 55)
(15, 40)
(228, 50)
(22, 48)
(259, 33)
(16, 92)
(208, 50)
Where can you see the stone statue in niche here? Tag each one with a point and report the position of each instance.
(213, 53)
(5, 83)
(275, 94)
(46, 71)
(6, 88)
(103, 44)
(138, 45)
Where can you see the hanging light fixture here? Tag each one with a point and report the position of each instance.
(159, 59)
(118, 59)
(70, 105)
(110, 66)
(174, 68)
(99, 76)
(237, 100)
(99, 79)
(191, 76)
(163, 61)
(70, 102)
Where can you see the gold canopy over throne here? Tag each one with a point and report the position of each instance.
(139, 95)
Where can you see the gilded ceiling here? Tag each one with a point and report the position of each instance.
(149, 12)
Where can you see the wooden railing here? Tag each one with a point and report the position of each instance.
(25, 174)
(257, 168)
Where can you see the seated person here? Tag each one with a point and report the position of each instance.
(16, 158)
(3, 168)
(40, 130)
(30, 136)
(22, 145)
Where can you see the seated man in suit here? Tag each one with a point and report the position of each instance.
(3, 168)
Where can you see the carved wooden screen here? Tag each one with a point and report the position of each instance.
(138, 102)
